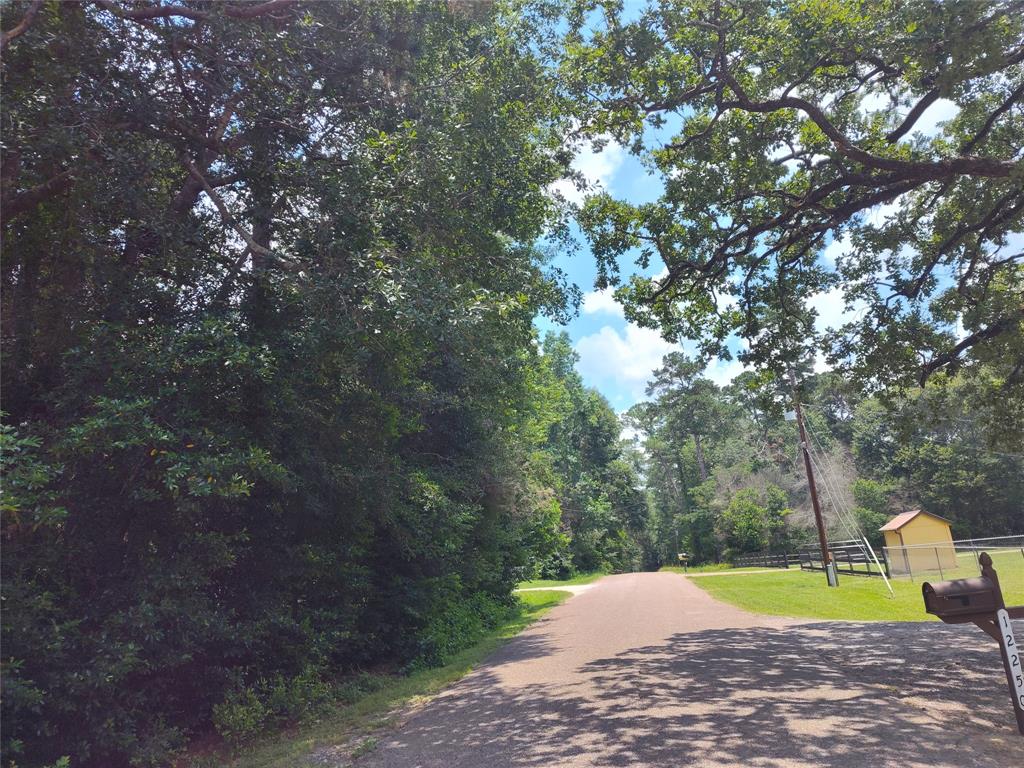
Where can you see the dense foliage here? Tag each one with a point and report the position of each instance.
(733, 481)
(275, 405)
(858, 155)
(594, 477)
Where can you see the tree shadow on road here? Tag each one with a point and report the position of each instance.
(824, 694)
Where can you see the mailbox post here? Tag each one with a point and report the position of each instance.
(980, 601)
(684, 559)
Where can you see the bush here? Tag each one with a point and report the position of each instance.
(246, 710)
(753, 522)
(351, 690)
(240, 715)
(461, 625)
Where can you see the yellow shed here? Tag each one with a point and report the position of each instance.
(919, 541)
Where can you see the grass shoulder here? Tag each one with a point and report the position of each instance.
(710, 568)
(353, 729)
(803, 594)
(583, 578)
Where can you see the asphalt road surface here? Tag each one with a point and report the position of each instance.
(647, 670)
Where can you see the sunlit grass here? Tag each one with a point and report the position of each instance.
(583, 578)
(804, 594)
(714, 568)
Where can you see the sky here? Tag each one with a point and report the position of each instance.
(617, 357)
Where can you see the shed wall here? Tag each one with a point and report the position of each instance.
(922, 530)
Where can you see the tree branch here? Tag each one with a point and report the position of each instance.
(1001, 325)
(223, 209)
(939, 169)
(241, 11)
(987, 127)
(252, 10)
(151, 12)
(26, 21)
(30, 198)
(913, 116)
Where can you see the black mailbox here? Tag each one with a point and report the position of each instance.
(961, 599)
(976, 601)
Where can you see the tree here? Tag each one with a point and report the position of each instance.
(754, 522)
(690, 402)
(804, 127)
(872, 507)
(270, 354)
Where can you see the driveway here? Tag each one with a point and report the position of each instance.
(647, 670)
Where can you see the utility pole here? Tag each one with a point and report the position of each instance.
(826, 560)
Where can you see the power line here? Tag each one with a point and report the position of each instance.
(826, 560)
(833, 495)
(862, 542)
(832, 486)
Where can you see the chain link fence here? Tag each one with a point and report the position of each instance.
(959, 560)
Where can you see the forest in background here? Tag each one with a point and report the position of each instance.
(275, 409)
(724, 472)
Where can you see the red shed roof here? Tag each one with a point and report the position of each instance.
(905, 517)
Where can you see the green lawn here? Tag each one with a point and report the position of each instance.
(857, 598)
(583, 578)
(713, 568)
(1009, 565)
(353, 725)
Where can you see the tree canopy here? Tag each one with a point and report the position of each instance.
(740, 486)
(796, 127)
(270, 376)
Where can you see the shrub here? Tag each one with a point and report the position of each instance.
(245, 710)
(240, 715)
(457, 627)
(353, 689)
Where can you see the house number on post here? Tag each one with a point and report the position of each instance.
(980, 601)
(1013, 655)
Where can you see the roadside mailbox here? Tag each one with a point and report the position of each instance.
(961, 601)
(980, 601)
(683, 558)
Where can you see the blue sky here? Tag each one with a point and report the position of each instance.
(617, 357)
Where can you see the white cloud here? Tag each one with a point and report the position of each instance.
(878, 215)
(959, 330)
(629, 433)
(595, 302)
(725, 301)
(876, 101)
(832, 313)
(831, 309)
(837, 248)
(940, 111)
(613, 360)
(623, 361)
(597, 168)
(820, 363)
(722, 372)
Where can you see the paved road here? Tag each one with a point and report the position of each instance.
(646, 670)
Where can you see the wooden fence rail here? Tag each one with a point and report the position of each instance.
(848, 559)
(765, 560)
